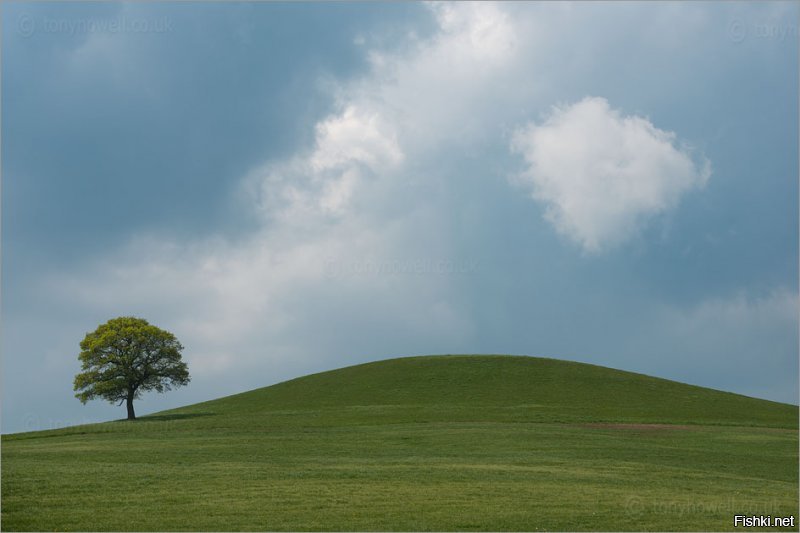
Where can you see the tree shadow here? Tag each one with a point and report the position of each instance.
(176, 416)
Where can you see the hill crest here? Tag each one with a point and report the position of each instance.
(523, 388)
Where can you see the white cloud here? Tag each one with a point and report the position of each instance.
(479, 31)
(444, 89)
(717, 341)
(355, 137)
(742, 310)
(410, 106)
(349, 147)
(241, 305)
(601, 174)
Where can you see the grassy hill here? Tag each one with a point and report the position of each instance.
(420, 443)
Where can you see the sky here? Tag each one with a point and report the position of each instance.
(292, 188)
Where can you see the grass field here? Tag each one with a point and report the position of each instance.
(423, 443)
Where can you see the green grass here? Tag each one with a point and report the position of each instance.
(423, 443)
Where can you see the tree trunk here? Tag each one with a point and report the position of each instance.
(129, 404)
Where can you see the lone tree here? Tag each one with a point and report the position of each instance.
(126, 356)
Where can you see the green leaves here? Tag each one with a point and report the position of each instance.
(126, 356)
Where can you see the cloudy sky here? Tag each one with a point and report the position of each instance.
(292, 188)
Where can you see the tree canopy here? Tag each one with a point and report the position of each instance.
(125, 357)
